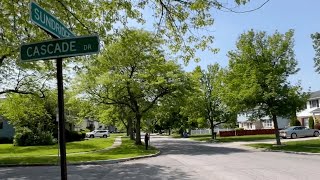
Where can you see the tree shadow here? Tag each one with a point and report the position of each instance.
(137, 171)
(187, 147)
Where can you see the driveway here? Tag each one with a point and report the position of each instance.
(185, 159)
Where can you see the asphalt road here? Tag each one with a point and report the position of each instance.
(185, 159)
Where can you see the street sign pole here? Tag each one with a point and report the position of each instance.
(57, 49)
(62, 137)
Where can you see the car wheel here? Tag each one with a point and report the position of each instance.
(105, 136)
(91, 136)
(293, 135)
(316, 134)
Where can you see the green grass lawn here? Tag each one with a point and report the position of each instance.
(311, 146)
(127, 149)
(8, 150)
(233, 138)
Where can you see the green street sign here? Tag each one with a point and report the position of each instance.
(59, 48)
(48, 22)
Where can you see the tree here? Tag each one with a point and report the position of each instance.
(132, 72)
(316, 45)
(205, 103)
(311, 122)
(257, 78)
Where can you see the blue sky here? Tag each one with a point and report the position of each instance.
(281, 15)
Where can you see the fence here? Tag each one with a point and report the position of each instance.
(246, 132)
(208, 131)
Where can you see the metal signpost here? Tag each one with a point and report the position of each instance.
(68, 46)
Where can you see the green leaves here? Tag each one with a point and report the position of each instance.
(258, 74)
(316, 45)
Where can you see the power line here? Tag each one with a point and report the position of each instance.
(247, 11)
(65, 7)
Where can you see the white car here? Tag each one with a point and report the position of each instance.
(98, 133)
(298, 131)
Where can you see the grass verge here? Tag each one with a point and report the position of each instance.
(310, 146)
(8, 150)
(126, 149)
(233, 138)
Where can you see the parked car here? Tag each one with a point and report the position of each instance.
(98, 133)
(298, 131)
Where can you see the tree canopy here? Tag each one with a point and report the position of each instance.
(257, 78)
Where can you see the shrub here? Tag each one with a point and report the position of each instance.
(6, 140)
(295, 122)
(317, 126)
(25, 137)
(311, 122)
(239, 129)
(74, 136)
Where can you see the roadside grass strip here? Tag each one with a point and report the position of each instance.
(125, 150)
(309, 146)
(9, 150)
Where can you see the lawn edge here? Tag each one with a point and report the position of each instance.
(282, 151)
(98, 162)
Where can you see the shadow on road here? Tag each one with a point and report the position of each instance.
(194, 148)
(86, 172)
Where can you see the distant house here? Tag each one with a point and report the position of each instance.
(263, 123)
(6, 129)
(311, 109)
(94, 125)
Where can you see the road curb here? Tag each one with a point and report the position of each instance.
(290, 152)
(99, 162)
(113, 161)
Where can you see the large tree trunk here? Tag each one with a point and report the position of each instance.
(138, 133)
(212, 129)
(275, 123)
(130, 129)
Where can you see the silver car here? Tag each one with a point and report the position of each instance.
(298, 131)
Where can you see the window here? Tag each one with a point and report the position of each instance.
(267, 123)
(314, 103)
(1, 125)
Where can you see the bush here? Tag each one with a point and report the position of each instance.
(25, 137)
(6, 140)
(295, 122)
(239, 129)
(74, 136)
(311, 122)
(317, 126)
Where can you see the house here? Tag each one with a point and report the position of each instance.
(92, 124)
(311, 109)
(6, 129)
(263, 123)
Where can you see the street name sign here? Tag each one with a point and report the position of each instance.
(48, 22)
(59, 48)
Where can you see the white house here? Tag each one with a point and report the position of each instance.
(94, 125)
(312, 109)
(263, 123)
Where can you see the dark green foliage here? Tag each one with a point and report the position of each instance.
(6, 140)
(239, 129)
(26, 137)
(294, 122)
(74, 136)
(311, 122)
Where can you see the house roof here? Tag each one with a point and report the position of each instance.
(316, 110)
(315, 95)
(307, 112)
